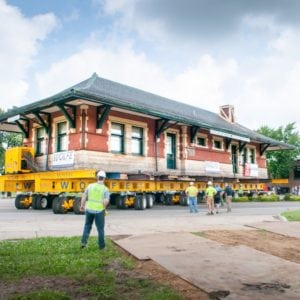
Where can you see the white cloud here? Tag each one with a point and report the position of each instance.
(19, 42)
(265, 92)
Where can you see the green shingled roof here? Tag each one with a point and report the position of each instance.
(104, 91)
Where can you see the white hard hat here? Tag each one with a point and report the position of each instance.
(209, 183)
(101, 174)
(191, 183)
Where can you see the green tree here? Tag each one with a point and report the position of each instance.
(7, 140)
(279, 163)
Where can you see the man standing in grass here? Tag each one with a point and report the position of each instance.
(192, 193)
(94, 201)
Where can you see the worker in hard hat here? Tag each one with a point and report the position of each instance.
(94, 201)
(210, 192)
(192, 193)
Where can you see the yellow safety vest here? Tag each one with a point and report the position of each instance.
(96, 196)
(210, 191)
(192, 191)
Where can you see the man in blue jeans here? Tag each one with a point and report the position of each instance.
(192, 193)
(94, 201)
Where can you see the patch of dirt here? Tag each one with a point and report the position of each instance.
(278, 245)
(158, 273)
(28, 285)
(150, 269)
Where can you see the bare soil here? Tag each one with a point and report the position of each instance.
(276, 244)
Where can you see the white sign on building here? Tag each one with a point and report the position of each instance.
(212, 167)
(63, 159)
(251, 170)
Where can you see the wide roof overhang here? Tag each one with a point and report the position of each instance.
(78, 95)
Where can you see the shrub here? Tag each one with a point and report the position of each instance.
(268, 198)
(289, 197)
(241, 199)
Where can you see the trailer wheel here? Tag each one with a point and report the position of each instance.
(183, 200)
(20, 203)
(39, 202)
(168, 200)
(140, 202)
(57, 207)
(161, 198)
(150, 200)
(76, 206)
(119, 201)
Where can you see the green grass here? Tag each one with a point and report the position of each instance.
(293, 215)
(56, 268)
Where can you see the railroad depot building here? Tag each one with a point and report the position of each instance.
(102, 124)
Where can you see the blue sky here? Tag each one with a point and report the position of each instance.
(203, 52)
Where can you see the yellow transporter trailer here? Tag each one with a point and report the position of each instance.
(62, 190)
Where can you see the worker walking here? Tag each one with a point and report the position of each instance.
(210, 192)
(217, 197)
(192, 193)
(94, 201)
(229, 194)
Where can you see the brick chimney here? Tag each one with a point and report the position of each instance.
(227, 113)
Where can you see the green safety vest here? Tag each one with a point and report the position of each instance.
(96, 196)
(192, 191)
(210, 191)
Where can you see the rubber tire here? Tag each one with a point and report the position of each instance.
(76, 206)
(57, 205)
(119, 202)
(39, 202)
(150, 200)
(183, 200)
(18, 203)
(168, 200)
(140, 202)
(162, 198)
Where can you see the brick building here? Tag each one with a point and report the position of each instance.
(102, 124)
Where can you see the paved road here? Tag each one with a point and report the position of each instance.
(32, 223)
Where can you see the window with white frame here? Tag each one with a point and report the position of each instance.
(217, 144)
(245, 155)
(137, 140)
(117, 138)
(252, 155)
(40, 141)
(61, 138)
(201, 141)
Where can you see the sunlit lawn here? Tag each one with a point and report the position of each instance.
(56, 268)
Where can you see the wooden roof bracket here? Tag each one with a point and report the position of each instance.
(161, 125)
(193, 132)
(263, 148)
(42, 122)
(70, 118)
(24, 129)
(242, 146)
(102, 113)
(227, 142)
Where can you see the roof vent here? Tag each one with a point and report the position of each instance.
(227, 113)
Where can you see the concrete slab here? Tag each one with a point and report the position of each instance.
(147, 246)
(239, 271)
(291, 229)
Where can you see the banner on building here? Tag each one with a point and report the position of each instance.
(212, 167)
(251, 170)
(63, 159)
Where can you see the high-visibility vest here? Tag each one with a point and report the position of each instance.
(192, 191)
(96, 196)
(210, 191)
